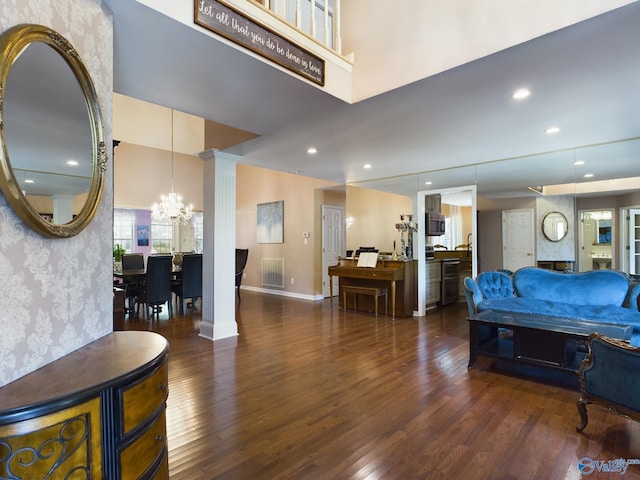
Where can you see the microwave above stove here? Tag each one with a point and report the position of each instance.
(434, 224)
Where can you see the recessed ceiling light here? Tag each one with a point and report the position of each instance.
(579, 162)
(521, 94)
(428, 182)
(367, 166)
(312, 150)
(72, 163)
(588, 175)
(28, 180)
(552, 130)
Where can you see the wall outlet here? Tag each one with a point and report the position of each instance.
(292, 281)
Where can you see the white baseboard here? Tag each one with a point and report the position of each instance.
(301, 296)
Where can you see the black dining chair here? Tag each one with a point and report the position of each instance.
(241, 262)
(189, 285)
(132, 261)
(156, 290)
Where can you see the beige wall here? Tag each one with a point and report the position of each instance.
(143, 123)
(142, 174)
(373, 215)
(257, 185)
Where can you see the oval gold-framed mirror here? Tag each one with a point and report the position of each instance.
(555, 226)
(53, 155)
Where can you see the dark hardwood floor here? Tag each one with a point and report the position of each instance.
(306, 392)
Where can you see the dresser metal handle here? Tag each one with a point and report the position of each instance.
(159, 438)
(163, 387)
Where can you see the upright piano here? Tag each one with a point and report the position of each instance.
(399, 275)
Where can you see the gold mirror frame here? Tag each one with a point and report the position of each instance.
(12, 44)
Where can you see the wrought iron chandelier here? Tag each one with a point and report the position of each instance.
(171, 206)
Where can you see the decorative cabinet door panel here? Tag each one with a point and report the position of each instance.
(61, 445)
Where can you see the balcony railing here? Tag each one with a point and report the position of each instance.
(320, 19)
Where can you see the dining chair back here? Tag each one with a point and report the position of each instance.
(241, 262)
(157, 288)
(132, 261)
(190, 285)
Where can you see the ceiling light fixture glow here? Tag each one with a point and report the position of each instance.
(366, 166)
(552, 130)
(579, 162)
(428, 182)
(312, 150)
(521, 94)
(72, 163)
(588, 175)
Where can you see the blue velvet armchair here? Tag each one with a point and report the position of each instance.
(609, 376)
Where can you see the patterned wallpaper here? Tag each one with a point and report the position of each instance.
(564, 249)
(56, 294)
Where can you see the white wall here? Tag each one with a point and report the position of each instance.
(57, 293)
(396, 43)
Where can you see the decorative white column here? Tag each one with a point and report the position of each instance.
(218, 267)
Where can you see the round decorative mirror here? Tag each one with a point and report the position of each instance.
(53, 154)
(555, 226)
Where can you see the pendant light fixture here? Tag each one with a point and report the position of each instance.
(171, 206)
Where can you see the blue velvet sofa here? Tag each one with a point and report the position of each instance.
(605, 296)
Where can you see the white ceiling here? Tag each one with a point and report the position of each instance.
(584, 78)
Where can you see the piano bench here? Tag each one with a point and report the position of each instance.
(375, 292)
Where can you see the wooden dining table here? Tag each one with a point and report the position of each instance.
(137, 276)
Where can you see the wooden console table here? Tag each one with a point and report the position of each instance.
(96, 413)
(535, 339)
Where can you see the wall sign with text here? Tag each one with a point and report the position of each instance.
(233, 25)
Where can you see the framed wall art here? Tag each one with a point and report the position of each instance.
(270, 226)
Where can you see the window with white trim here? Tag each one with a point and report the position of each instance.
(123, 224)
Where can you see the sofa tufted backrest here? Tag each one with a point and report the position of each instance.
(598, 287)
(495, 285)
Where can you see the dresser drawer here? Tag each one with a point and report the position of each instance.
(141, 400)
(137, 457)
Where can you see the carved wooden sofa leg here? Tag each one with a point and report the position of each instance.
(581, 403)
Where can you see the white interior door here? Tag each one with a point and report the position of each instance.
(517, 239)
(588, 234)
(332, 242)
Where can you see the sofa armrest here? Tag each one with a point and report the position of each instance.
(473, 295)
(634, 297)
